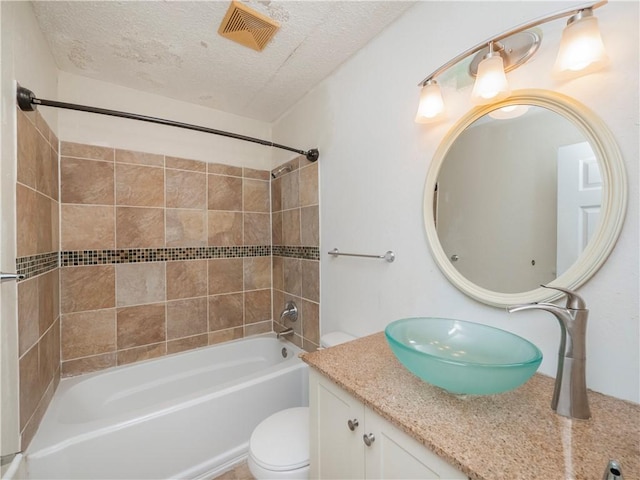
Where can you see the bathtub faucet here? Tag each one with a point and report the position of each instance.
(570, 392)
(290, 311)
(284, 333)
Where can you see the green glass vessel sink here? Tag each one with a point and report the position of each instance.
(461, 357)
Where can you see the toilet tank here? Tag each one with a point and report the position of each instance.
(332, 339)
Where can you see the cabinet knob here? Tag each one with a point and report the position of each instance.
(368, 439)
(352, 424)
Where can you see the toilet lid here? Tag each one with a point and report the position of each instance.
(281, 442)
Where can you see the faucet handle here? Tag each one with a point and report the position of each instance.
(574, 301)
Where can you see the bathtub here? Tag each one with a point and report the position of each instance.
(186, 416)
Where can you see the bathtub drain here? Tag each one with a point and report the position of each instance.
(284, 352)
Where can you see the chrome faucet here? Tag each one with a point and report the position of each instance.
(570, 392)
(285, 332)
(290, 311)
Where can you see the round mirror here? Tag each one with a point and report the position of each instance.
(528, 191)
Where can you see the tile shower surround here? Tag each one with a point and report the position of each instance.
(37, 250)
(162, 254)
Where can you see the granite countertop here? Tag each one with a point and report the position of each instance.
(513, 435)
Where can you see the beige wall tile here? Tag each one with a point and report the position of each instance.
(87, 288)
(256, 196)
(311, 280)
(47, 289)
(292, 276)
(140, 283)
(276, 229)
(309, 185)
(279, 305)
(138, 354)
(80, 150)
(27, 145)
(27, 434)
(186, 279)
(139, 158)
(276, 194)
(290, 191)
(309, 226)
(257, 272)
(224, 193)
(86, 181)
(256, 174)
(186, 189)
(55, 226)
(30, 392)
(28, 317)
(291, 227)
(49, 356)
(186, 318)
(258, 328)
(310, 321)
(309, 346)
(88, 364)
(139, 227)
(88, 227)
(141, 325)
(88, 333)
(46, 169)
(225, 275)
(186, 228)
(277, 272)
(42, 126)
(27, 221)
(189, 343)
(44, 227)
(186, 164)
(139, 186)
(257, 306)
(225, 228)
(257, 229)
(225, 335)
(221, 169)
(225, 311)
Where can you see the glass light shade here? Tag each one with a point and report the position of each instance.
(581, 47)
(491, 82)
(431, 107)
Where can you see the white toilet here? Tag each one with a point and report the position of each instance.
(279, 445)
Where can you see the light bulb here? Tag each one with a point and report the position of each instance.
(431, 106)
(491, 82)
(581, 47)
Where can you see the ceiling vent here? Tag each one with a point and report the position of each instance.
(247, 27)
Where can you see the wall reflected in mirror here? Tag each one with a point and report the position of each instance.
(517, 198)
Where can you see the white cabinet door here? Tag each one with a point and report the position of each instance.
(337, 452)
(395, 455)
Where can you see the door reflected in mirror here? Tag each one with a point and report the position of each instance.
(517, 198)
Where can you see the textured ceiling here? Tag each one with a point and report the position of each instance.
(173, 48)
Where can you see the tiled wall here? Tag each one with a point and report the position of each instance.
(37, 250)
(159, 255)
(296, 240)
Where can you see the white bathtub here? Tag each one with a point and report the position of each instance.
(184, 416)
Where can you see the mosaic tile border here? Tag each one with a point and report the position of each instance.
(305, 253)
(139, 255)
(37, 264)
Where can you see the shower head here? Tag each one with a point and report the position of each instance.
(280, 171)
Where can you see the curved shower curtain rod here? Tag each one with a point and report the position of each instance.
(27, 101)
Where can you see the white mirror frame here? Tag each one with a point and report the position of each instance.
(614, 198)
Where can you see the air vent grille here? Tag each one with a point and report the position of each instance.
(247, 27)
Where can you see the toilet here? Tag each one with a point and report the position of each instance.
(279, 445)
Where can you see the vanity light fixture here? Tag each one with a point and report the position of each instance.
(581, 49)
(431, 107)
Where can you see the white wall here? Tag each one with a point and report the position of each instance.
(103, 130)
(374, 161)
(25, 59)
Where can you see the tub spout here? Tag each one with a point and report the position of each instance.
(570, 392)
(284, 333)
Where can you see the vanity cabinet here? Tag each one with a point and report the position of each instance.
(351, 441)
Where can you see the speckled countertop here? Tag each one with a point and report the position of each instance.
(514, 435)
